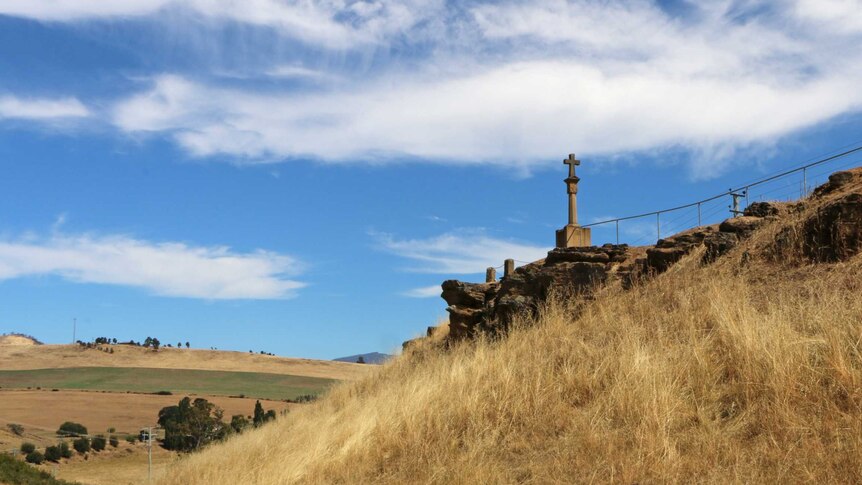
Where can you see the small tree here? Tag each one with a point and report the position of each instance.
(65, 451)
(187, 345)
(156, 344)
(99, 443)
(70, 428)
(114, 441)
(81, 445)
(258, 414)
(360, 360)
(148, 341)
(191, 425)
(35, 458)
(27, 448)
(52, 453)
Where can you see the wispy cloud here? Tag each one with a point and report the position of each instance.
(41, 109)
(464, 252)
(328, 23)
(507, 83)
(432, 291)
(167, 268)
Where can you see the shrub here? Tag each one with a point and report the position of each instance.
(131, 438)
(72, 429)
(52, 453)
(28, 448)
(114, 441)
(81, 445)
(65, 451)
(238, 422)
(99, 443)
(163, 393)
(35, 458)
(16, 429)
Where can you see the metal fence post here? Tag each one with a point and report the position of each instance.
(658, 224)
(618, 231)
(804, 181)
(698, 215)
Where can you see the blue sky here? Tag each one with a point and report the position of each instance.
(299, 177)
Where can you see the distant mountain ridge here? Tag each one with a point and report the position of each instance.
(369, 358)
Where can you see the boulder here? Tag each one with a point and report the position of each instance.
(718, 245)
(838, 181)
(742, 226)
(834, 233)
(470, 295)
(660, 259)
(761, 209)
(668, 251)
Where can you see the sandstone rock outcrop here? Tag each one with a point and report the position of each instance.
(832, 233)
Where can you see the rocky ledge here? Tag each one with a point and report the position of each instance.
(833, 232)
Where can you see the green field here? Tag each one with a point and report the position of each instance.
(178, 381)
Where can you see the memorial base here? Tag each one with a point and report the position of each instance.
(572, 236)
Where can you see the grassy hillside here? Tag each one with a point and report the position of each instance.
(15, 472)
(747, 370)
(21, 357)
(178, 381)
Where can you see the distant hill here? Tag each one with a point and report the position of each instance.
(369, 358)
(18, 339)
(24, 357)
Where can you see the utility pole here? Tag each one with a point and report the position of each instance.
(736, 196)
(149, 453)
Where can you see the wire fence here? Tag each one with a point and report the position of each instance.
(779, 186)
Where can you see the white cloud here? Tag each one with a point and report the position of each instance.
(329, 23)
(466, 252)
(521, 113)
(510, 83)
(432, 291)
(169, 269)
(845, 15)
(41, 109)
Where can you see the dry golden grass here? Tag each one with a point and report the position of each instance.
(21, 357)
(126, 465)
(16, 340)
(42, 412)
(745, 371)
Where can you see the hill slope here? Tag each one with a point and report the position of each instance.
(14, 357)
(745, 370)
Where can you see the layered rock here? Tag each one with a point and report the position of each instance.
(832, 233)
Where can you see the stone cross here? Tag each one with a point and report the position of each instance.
(572, 235)
(572, 162)
(572, 188)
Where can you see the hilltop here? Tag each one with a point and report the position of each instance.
(9, 339)
(740, 367)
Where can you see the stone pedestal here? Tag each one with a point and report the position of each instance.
(572, 236)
